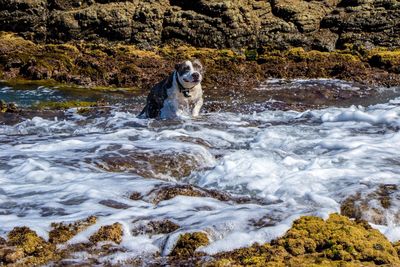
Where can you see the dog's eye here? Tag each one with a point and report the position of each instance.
(186, 69)
(196, 65)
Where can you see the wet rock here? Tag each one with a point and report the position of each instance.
(10, 254)
(62, 232)
(135, 196)
(26, 239)
(111, 233)
(188, 243)
(313, 241)
(36, 249)
(166, 192)
(8, 107)
(160, 164)
(389, 60)
(156, 228)
(375, 206)
(114, 204)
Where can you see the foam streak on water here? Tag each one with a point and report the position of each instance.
(290, 163)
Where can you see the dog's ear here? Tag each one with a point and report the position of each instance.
(198, 66)
(178, 66)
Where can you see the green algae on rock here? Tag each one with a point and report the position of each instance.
(52, 105)
(111, 233)
(36, 249)
(188, 243)
(312, 241)
(62, 232)
(121, 65)
(8, 107)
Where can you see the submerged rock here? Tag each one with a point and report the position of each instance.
(111, 233)
(376, 206)
(156, 164)
(156, 228)
(313, 241)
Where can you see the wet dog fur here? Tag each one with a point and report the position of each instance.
(177, 94)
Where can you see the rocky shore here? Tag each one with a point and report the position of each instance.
(131, 45)
(229, 73)
(311, 241)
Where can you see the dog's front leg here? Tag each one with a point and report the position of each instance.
(197, 107)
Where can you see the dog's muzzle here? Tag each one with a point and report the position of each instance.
(183, 90)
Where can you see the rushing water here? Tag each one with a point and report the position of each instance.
(289, 163)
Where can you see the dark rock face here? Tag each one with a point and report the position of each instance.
(29, 17)
(278, 24)
(367, 23)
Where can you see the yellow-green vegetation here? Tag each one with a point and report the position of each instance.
(7, 107)
(108, 233)
(206, 54)
(385, 59)
(62, 232)
(52, 105)
(36, 250)
(188, 243)
(312, 241)
(110, 66)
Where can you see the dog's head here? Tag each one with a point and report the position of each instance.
(190, 73)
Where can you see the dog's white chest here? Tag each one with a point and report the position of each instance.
(177, 105)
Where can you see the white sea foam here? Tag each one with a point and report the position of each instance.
(292, 163)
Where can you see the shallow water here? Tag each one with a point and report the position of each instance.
(289, 163)
(26, 95)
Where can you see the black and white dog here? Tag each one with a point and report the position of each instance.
(177, 94)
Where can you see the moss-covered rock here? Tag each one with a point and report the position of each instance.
(62, 232)
(8, 107)
(385, 59)
(64, 105)
(312, 241)
(121, 65)
(36, 250)
(188, 243)
(111, 233)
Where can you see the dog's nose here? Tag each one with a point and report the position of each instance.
(196, 75)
